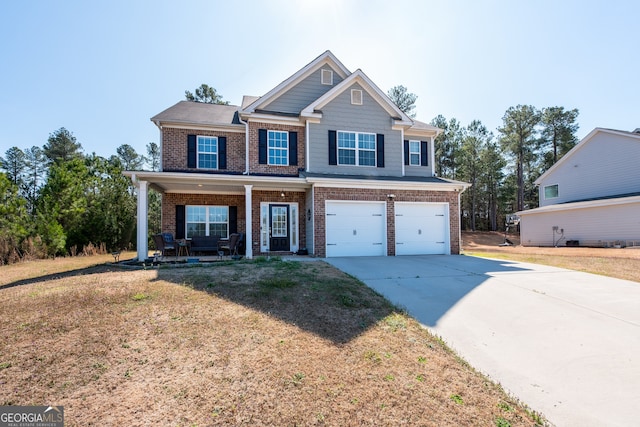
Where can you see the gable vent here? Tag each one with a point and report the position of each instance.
(326, 77)
(356, 96)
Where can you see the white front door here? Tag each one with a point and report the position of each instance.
(422, 228)
(355, 228)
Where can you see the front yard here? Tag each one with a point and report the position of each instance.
(246, 343)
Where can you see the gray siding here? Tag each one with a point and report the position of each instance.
(303, 94)
(597, 226)
(605, 165)
(370, 117)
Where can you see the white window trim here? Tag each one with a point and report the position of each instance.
(357, 149)
(198, 152)
(356, 97)
(419, 153)
(294, 243)
(206, 229)
(544, 191)
(286, 149)
(326, 77)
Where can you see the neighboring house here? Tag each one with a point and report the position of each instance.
(324, 161)
(591, 196)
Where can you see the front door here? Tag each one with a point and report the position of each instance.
(279, 219)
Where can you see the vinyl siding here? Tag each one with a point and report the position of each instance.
(420, 170)
(369, 117)
(596, 226)
(303, 94)
(605, 165)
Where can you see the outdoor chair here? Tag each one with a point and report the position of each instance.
(162, 245)
(230, 246)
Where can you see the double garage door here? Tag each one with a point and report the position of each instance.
(360, 228)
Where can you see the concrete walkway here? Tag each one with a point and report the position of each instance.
(565, 343)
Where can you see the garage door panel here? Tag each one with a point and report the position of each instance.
(422, 228)
(355, 229)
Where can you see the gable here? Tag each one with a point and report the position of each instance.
(327, 59)
(294, 99)
(603, 164)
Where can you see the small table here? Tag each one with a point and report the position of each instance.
(183, 247)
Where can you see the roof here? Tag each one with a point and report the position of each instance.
(189, 112)
(387, 179)
(581, 144)
(422, 126)
(586, 203)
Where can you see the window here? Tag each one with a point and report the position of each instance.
(278, 147)
(207, 152)
(326, 77)
(357, 149)
(356, 96)
(207, 221)
(551, 191)
(414, 153)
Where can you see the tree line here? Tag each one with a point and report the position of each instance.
(56, 200)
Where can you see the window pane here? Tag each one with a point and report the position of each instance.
(346, 140)
(367, 158)
(415, 160)
(367, 141)
(346, 157)
(196, 213)
(196, 229)
(551, 191)
(207, 152)
(219, 230)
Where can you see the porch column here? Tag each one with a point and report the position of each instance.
(143, 247)
(248, 232)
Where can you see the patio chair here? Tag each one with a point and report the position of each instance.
(162, 245)
(230, 245)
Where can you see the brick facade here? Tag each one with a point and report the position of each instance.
(257, 168)
(321, 195)
(174, 149)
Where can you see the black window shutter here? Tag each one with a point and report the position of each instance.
(380, 149)
(406, 152)
(233, 219)
(293, 148)
(424, 153)
(180, 221)
(191, 151)
(222, 152)
(333, 150)
(262, 146)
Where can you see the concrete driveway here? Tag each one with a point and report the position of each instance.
(566, 343)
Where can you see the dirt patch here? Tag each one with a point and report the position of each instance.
(247, 343)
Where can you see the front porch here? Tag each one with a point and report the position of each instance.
(269, 211)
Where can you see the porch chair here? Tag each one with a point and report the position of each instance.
(162, 245)
(230, 245)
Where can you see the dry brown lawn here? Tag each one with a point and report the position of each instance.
(246, 343)
(621, 263)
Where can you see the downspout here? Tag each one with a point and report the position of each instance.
(306, 144)
(246, 143)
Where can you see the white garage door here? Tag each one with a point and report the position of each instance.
(422, 228)
(356, 228)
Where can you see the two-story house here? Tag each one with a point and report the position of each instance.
(591, 196)
(324, 161)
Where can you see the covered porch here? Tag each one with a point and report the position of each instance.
(269, 211)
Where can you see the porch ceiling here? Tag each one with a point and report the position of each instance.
(177, 182)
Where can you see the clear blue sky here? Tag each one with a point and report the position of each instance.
(103, 68)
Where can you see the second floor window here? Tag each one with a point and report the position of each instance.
(278, 147)
(207, 152)
(551, 191)
(414, 153)
(357, 149)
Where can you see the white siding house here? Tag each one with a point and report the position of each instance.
(590, 197)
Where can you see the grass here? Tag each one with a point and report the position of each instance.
(618, 267)
(267, 342)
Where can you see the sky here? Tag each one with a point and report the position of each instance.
(102, 69)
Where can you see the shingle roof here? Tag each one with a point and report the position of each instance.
(199, 113)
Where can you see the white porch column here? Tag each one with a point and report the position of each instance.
(143, 247)
(248, 234)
